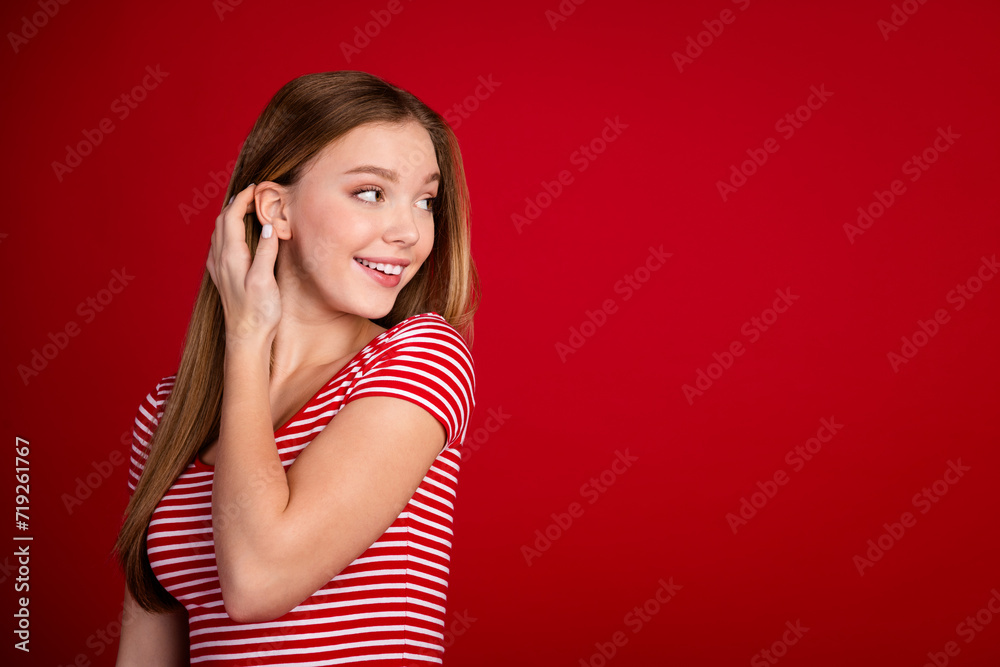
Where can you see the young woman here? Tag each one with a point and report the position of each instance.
(293, 483)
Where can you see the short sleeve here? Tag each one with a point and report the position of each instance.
(147, 417)
(426, 362)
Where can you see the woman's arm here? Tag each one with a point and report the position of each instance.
(279, 538)
(152, 640)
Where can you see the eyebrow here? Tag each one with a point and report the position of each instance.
(388, 174)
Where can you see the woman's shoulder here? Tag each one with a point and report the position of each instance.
(429, 318)
(429, 327)
(147, 418)
(151, 408)
(427, 322)
(424, 360)
(162, 390)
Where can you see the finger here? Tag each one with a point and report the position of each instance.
(233, 227)
(215, 248)
(218, 230)
(264, 257)
(250, 207)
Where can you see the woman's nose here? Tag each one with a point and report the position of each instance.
(402, 226)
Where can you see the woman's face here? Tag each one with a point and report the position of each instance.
(367, 196)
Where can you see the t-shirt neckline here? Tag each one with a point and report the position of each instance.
(198, 463)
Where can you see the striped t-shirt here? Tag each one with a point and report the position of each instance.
(387, 607)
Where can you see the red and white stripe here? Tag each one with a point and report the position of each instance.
(388, 606)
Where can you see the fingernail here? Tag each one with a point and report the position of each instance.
(231, 199)
(251, 185)
(267, 231)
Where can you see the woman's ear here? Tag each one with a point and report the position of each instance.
(272, 204)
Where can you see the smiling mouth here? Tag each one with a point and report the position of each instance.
(387, 269)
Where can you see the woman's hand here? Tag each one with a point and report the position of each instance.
(250, 298)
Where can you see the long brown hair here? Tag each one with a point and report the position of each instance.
(301, 119)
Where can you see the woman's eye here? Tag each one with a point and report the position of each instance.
(369, 195)
(373, 195)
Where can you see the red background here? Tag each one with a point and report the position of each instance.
(655, 185)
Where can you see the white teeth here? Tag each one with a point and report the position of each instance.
(388, 269)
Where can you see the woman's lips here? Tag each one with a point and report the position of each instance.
(379, 277)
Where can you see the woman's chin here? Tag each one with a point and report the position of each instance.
(375, 311)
